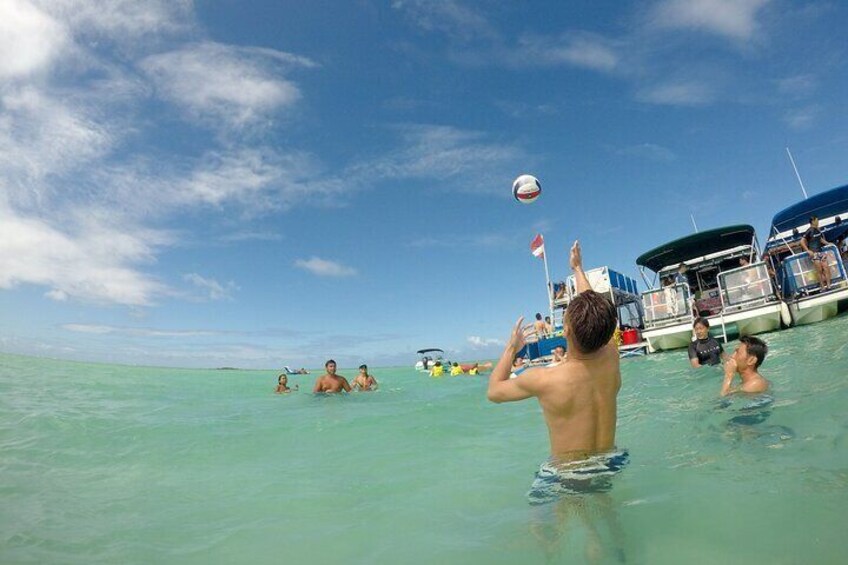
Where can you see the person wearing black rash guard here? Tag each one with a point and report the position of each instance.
(705, 350)
(813, 242)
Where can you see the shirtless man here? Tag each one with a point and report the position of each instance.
(746, 359)
(577, 396)
(540, 326)
(364, 381)
(330, 381)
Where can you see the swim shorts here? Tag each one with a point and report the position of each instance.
(576, 478)
(820, 256)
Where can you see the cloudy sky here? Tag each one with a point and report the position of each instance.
(263, 183)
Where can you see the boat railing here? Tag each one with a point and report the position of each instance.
(799, 274)
(745, 287)
(667, 306)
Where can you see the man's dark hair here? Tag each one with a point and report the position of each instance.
(592, 320)
(538, 316)
(701, 320)
(756, 347)
(364, 366)
(813, 218)
(327, 364)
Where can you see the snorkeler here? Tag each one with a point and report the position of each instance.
(282, 385)
(705, 350)
(437, 370)
(456, 370)
(577, 396)
(365, 381)
(746, 361)
(330, 381)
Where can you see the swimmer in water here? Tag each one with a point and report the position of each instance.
(331, 382)
(746, 361)
(705, 350)
(578, 396)
(558, 354)
(282, 385)
(365, 381)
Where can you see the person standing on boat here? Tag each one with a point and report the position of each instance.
(577, 396)
(746, 361)
(540, 326)
(330, 381)
(705, 350)
(812, 242)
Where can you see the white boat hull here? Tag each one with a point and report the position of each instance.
(813, 309)
(757, 320)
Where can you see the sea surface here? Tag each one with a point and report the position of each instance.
(116, 464)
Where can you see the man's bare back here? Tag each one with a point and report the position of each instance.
(577, 396)
(578, 399)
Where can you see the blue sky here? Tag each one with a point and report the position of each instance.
(256, 184)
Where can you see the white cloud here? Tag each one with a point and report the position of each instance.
(446, 16)
(219, 83)
(122, 21)
(210, 288)
(579, 49)
(465, 160)
(30, 40)
(736, 19)
(478, 342)
(135, 332)
(94, 261)
(649, 151)
(324, 267)
(797, 86)
(801, 118)
(683, 93)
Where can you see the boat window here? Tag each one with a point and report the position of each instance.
(745, 286)
(667, 305)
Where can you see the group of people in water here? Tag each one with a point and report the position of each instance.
(330, 382)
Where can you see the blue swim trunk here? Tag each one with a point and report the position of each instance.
(820, 256)
(576, 478)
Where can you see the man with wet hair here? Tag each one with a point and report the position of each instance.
(331, 382)
(746, 361)
(577, 396)
(364, 381)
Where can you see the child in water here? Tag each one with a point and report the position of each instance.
(282, 385)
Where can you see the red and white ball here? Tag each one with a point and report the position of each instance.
(526, 189)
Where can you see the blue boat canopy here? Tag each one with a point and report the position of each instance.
(696, 245)
(422, 351)
(830, 203)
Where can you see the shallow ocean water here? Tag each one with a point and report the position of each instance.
(115, 464)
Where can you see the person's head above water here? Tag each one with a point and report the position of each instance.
(282, 380)
(363, 368)
(590, 321)
(702, 328)
(750, 353)
(330, 366)
(455, 364)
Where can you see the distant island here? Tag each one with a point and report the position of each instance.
(227, 369)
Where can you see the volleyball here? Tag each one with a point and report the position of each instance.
(526, 189)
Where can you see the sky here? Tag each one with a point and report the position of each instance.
(265, 183)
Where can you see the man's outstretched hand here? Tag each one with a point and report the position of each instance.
(516, 340)
(576, 258)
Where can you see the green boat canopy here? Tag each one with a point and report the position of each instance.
(696, 245)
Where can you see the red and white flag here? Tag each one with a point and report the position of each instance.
(537, 246)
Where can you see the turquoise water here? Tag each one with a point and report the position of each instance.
(113, 464)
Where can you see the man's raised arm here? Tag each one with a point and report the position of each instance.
(576, 261)
(501, 387)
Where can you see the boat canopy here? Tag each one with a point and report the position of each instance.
(829, 203)
(423, 351)
(696, 245)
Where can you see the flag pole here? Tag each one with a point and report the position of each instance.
(548, 286)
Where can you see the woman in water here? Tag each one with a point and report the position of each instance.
(282, 385)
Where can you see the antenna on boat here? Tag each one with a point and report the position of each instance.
(791, 160)
(692, 216)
